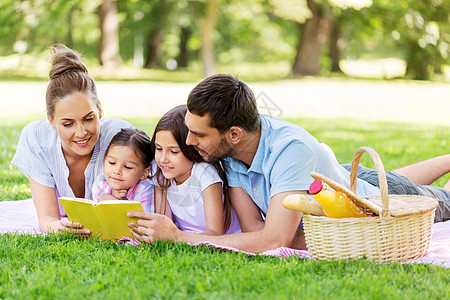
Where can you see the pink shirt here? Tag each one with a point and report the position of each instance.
(142, 192)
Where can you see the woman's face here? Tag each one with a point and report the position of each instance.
(77, 120)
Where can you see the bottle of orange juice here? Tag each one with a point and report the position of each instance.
(335, 204)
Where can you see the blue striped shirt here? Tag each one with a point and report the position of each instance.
(39, 156)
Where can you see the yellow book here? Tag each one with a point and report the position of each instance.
(107, 219)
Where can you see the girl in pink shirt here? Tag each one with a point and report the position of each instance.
(126, 169)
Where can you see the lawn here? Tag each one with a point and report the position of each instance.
(55, 267)
(67, 267)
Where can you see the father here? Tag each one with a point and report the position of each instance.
(266, 159)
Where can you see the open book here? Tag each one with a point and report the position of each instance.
(107, 219)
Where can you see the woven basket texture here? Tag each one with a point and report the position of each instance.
(401, 230)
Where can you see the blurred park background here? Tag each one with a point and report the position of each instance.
(391, 39)
(334, 55)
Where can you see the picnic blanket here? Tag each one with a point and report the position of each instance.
(20, 217)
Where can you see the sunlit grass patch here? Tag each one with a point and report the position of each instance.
(56, 266)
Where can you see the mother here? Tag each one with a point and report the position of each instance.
(63, 154)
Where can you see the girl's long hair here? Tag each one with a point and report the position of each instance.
(173, 121)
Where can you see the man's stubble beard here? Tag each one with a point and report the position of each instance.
(223, 150)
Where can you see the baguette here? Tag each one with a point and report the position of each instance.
(304, 203)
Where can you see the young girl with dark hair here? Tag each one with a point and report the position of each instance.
(195, 191)
(126, 169)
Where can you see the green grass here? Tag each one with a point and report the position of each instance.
(65, 267)
(62, 266)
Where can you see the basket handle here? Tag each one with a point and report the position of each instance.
(381, 177)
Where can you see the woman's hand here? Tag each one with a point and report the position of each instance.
(151, 227)
(47, 209)
(66, 225)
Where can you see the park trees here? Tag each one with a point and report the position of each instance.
(312, 35)
(207, 48)
(321, 28)
(41, 23)
(109, 34)
(421, 29)
(418, 30)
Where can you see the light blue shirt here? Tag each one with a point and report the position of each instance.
(39, 156)
(284, 160)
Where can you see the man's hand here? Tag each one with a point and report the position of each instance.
(151, 227)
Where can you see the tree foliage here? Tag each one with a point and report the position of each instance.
(154, 32)
(419, 30)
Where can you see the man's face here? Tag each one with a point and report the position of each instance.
(209, 143)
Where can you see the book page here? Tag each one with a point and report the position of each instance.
(114, 216)
(83, 211)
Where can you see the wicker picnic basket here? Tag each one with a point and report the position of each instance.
(401, 229)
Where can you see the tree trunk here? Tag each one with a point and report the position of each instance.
(207, 48)
(109, 34)
(70, 28)
(154, 48)
(159, 18)
(313, 35)
(138, 55)
(417, 62)
(183, 56)
(335, 51)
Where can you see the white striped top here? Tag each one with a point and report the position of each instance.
(39, 156)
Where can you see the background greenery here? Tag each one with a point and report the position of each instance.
(257, 40)
(413, 34)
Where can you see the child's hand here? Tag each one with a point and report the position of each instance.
(104, 197)
(119, 194)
